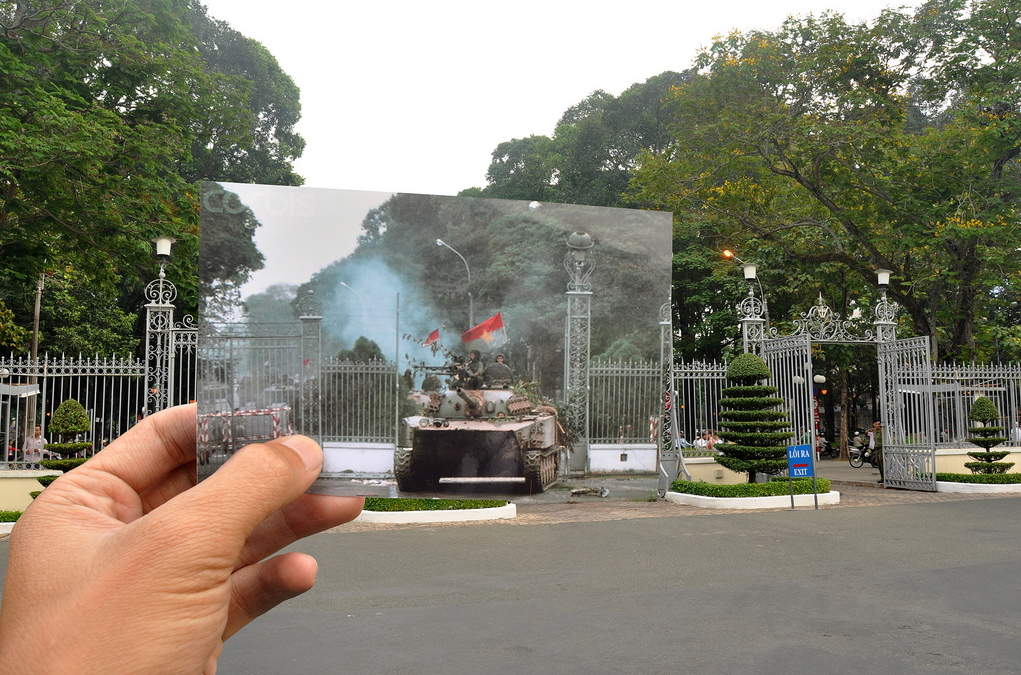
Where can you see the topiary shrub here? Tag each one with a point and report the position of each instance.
(64, 465)
(985, 435)
(69, 419)
(756, 434)
(46, 480)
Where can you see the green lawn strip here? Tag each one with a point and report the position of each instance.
(398, 504)
(987, 478)
(777, 487)
(9, 516)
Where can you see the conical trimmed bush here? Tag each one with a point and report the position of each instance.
(986, 436)
(754, 431)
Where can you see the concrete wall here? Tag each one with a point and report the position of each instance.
(622, 458)
(375, 458)
(15, 487)
(952, 460)
(706, 469)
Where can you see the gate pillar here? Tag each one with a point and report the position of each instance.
(310, 315)
(577, 335)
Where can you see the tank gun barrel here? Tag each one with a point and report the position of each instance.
(471, 404)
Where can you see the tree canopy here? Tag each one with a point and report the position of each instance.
(109, 111)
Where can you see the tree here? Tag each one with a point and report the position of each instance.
(109, 110)
(888, 144)
(986, 435)
(69, 420)
(751, 426)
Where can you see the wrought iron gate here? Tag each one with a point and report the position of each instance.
(907, 413)
(790, 362)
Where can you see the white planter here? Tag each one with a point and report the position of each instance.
(778, 502)
(5, 528)
(979, 488)
(452, 516)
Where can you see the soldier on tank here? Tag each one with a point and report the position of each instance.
(498, 373)
(474, 370)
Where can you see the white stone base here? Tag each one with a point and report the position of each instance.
(5, 528)
(979, 488)
(452, 516)
(778, 502)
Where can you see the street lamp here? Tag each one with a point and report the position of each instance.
(471, 307)
(163, 245)
(751, 274)
(361, 300)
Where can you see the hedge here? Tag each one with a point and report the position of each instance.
(777, 487)
(987, 478)
(9, 516)
(402, 504)
(64, 465)
(46, 480)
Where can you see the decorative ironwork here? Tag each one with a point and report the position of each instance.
(822, 324)
(885, 321)
(790, 363)
(752, 312)
(577, 334)
(161, 291)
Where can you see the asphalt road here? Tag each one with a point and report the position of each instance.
(923, 588)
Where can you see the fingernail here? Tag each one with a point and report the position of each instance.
(307, 449)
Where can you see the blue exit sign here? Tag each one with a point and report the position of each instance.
(800, 462)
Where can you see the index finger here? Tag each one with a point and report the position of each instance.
(152, 449)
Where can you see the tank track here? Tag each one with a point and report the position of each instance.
(408, 480)
(540, 469)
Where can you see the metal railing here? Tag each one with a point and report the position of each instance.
(111, 389)
(359, 401)
(955, 388)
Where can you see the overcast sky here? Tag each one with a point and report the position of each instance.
(414, 96)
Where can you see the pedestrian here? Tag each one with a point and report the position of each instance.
(876, 449)
(34, 445)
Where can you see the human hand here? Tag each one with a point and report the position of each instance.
(124, 565)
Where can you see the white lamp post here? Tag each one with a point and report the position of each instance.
(471, 308)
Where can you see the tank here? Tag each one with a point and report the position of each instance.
(478, 436)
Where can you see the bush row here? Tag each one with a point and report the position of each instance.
(400, 504)
(988, 478)
(776, 487)
(9, 516)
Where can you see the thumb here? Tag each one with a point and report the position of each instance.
(255, 482)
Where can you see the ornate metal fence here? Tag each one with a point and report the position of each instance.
(112, 390)
(625, 400)
(359, 401)
(699, 387)
(957, 385)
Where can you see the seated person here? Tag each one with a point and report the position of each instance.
(498, 373)
(473, 370)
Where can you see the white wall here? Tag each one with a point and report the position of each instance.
(358, 457)
(607, 458)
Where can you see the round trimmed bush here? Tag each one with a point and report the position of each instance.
(69, 419)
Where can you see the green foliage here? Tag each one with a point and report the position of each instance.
(11, 334)
(983, 410)
(832, 148)
(986, 465)
(776, 487)
(9, 516)
(46, 480)
(69, 418)
(747, 369)
(753, 432)
(989, 478)
(110, 111)
(403, 504)
(35, 493)
(69, 449)
(64, 465)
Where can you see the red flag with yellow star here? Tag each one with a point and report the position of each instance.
(487, 335)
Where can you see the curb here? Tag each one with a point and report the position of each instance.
(5, 528)
(777, 502)
(978, 488)
(453, 516)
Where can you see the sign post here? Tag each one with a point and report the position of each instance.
(801, 464)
